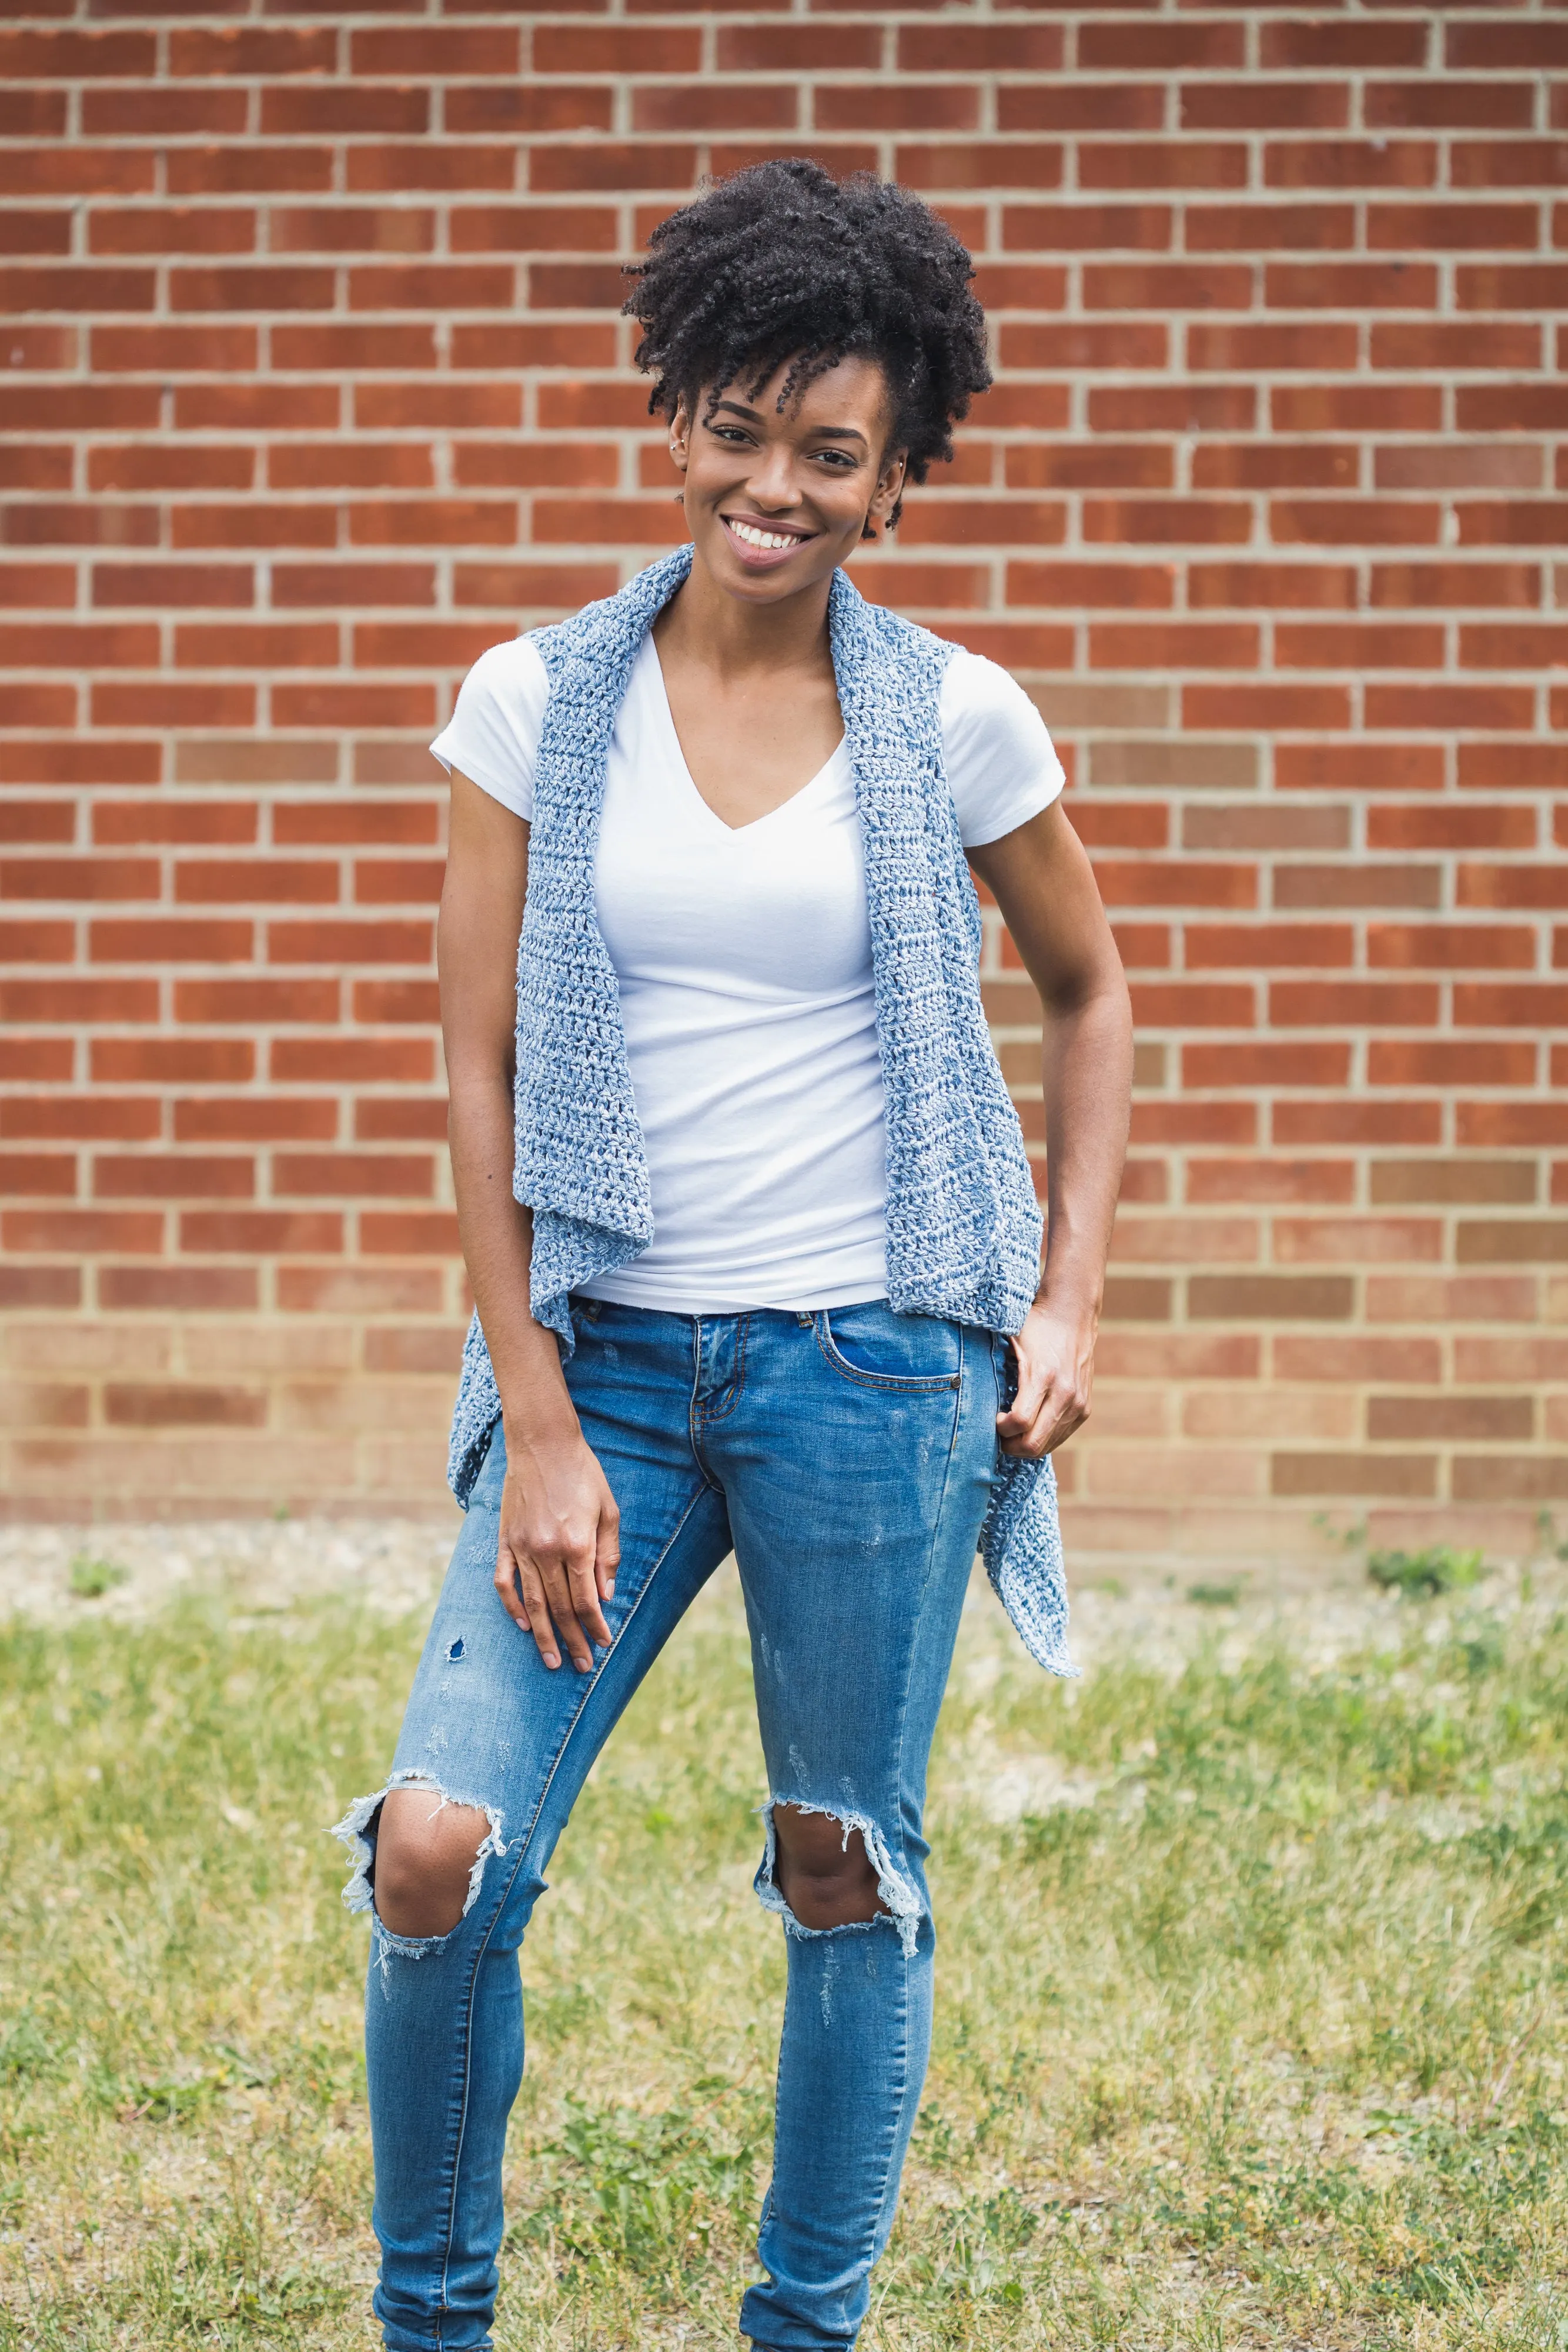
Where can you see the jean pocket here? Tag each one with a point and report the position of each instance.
(869, 1344)
(1004, 1363)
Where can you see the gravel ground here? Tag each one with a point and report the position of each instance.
(266, 1567)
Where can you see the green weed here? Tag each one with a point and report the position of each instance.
(1422, 1575)
(91, 1578)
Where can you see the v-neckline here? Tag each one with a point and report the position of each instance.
(683, 767)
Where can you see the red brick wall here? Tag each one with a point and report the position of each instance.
(316, 388)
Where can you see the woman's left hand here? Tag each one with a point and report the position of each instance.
(1055, 1356)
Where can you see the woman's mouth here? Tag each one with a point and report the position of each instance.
(759, 545)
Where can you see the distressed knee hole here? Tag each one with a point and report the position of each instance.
(425, 1855)
(824, 1871)
(420, 1856)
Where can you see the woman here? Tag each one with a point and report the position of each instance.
(749, 1225)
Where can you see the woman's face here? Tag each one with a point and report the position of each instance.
(774, 502)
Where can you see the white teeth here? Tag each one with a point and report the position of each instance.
(754, 538)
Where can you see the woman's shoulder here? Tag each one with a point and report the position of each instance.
(492, 735)
(1002, 766)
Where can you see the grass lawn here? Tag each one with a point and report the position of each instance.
(1251, 1995)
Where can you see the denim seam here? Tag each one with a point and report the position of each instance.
(590, 1685)
(917, 1384)
(898, 1768)
(705, 1416)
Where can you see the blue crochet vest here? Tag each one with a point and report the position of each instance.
(963, 1225)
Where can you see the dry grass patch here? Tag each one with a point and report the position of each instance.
(1252, 1985)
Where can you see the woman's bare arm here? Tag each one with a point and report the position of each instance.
(558, 1543)
(1042, 880)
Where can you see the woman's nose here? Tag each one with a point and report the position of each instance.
(772, 482)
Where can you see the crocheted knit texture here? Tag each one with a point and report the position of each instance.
(963, 1225)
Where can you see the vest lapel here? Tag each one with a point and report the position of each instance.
(580, 1164)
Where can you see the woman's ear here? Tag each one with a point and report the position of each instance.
(681, 435)
(888, 496)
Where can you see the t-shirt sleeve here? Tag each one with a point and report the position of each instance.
(1003, 767)
(493, 736)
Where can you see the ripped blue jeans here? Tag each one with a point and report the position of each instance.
(847, 1456)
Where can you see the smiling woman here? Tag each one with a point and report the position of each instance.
(750, 1223)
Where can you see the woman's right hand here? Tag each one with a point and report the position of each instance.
(560, 1545)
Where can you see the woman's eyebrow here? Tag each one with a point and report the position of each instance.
(831, 431)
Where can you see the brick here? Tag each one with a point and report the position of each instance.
(1355, 408)
(1267, 828)
(387, 166)
(1274, 1063)
(1078, 106)
(1166, 286)
(408, 1235)
(1512, 1180)
(1252, 228)
(1450, 947)
(1507, 885)
(1159, 164)
(243, 170)
(35, 821)
(261, 1233)
(1359, 645)
(248, 1002)
(610, 164)
(1507, 163)
(163, 584)
(1265, 707)
(1271, 1298)
(1273, 465)
(1352, 522)
(1260, 946)
(1444, 105)
(1490, 523)
(1264, 106)
(201, 1290)
(161, 940)
(366, 465)
(1523, 1241)
(351, 1060)
(1512, 1478)
(83, 1230)
(1419, 1063)
(1353, 1475)
(172, 1177)
(1448, 585)
(1351, 164)
(172, 1061)
(40, 1286)
(252, 49)
(1410, 343)
(333, 822)
(1272, 586)
(1495, 47)
(1257, 1180)
(1174, 645)
(957, 165)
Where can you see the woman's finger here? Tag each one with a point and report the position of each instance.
(538, 1606)
(582, 1579)
(506, 1585)
(607, 1551)
(558, 1593)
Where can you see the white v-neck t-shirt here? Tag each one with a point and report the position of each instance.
(744, 960)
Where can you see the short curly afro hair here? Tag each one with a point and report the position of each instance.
(781, 263)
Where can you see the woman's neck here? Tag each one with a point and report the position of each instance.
(702, 625)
